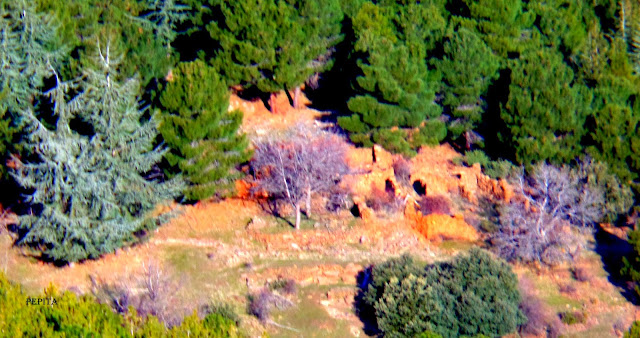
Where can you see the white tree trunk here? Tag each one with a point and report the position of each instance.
(467, 138)
(308, 210)
(297, 226)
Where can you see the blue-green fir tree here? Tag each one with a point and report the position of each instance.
(140, 30)
(29, 47)
(89, 189)
(163, 18)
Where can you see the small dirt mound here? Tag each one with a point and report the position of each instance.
(440, 226)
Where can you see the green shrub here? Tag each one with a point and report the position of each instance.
(74, 316)
(223, 310)
(287, 286)
(213, 325)
(494, 169)
(473, 294)
(381, 274)
(458, 160)
(618, 196)
(488, 226)
(634, 330)
(428, 334)
(476, 156)
(404, 304)
(572, 318)
(631, 264)
(499, 169)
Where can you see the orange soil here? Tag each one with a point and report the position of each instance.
(432, 166)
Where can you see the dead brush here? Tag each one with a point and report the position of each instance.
(384, 201)
(435, 205)
(153, 292)
(402, 171)
(263, 302)
(581, 274)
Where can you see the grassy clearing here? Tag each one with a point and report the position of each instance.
(455, 246)
(214, 272)
(309, 318)
(201, 278)
(286, 223)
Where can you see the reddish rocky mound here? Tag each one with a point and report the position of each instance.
(438, 226)
(433, 173)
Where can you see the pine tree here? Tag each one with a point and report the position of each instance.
(397, 88)
(201, 133)
(29, 48)
(7, 130)
(546, 110)
(89, 192)
(275, 45)
(505, 25)
(468, 67)
(564, 24)
(613, 133)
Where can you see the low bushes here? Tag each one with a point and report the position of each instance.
(435, 205)
(573, 317)
(263, 302)
(473, 294)
(74, 316)
(384, 201)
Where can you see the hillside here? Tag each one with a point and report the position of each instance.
(225, 250)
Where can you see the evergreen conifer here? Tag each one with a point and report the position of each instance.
(468, 67)
(201, 133)
(546, 110)
(275, 45)
(397, 88)
(505, 25)
(139, 30)
(29, 47)
(89, 193)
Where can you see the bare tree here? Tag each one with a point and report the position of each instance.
(298, 164)
(551, 205)
(159, 294)
(151, 293)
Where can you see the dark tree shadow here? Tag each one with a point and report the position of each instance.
(330, 91)
(611, 249)
(366, 315)
(253, 94)
(270, 206)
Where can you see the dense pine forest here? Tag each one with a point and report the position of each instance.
(116, 116)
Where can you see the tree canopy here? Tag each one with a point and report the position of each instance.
(274, 45)
(397, 88)
(91, 193)
(203, 137)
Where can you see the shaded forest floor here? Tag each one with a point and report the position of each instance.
(222, 251)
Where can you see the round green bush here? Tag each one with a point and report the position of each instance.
(471, 295)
